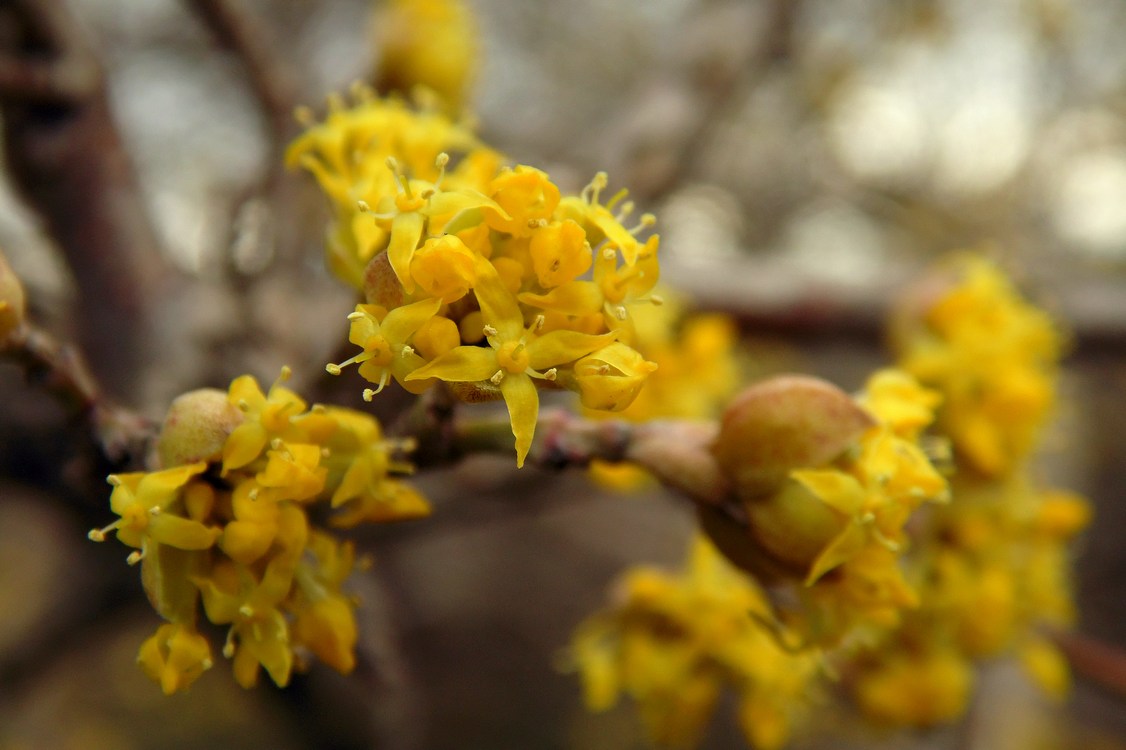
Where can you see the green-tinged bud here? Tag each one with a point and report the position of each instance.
(381, 285)
(196, 427)
(12, 303)
(785, 423)
(166, 575)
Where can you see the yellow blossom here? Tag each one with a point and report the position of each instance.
(559, 253)
(916, 689)
(611, 377)
(992, 356)
(514, 357)
(150, 505)
(386, 352)
(431, 43)
(526, 195)
(267, 417)
(293, 472)
(175, 656)
(675, 642)
(325, 623)
(445, 268)
(259, 632)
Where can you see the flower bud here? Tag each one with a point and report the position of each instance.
(381, 286)
(785, 423)
(12, 303)
(196, 427)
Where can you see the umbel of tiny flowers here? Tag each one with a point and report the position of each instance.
(232, 530)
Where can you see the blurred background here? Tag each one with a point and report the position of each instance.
(805, 158)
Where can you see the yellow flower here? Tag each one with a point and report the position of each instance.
(255, 524)
(921, 689)
(601, 225)
(898, 401)
(259, 632)
(527, 196)
(149, 506)
(559, 253)
(611, 377)
(675, 642)
(445, 268)
(386, 352)
(267, 417)
(325, 623)
(612, 290)
(514, 357)
(431, 43)
(993, 358)
(365, 491)
(421, 206)
(175, 656)
(293, 472)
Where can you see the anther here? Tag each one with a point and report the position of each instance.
(609, 253)
(368, 394)
(551, 374)
(363, 207)
(276, 444)
(620, 312)
(154, 511)
(206, 664)
(497, 377)
(246, 610)
(114, 480)
(253, 494)
(657, 299)
(539, 323)
(332, 369)
(626, 210)
(407, 351)
(488, 330)
(99, 535)
(135, 557)
(285, 374)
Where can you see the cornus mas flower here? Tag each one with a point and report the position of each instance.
(466, 232)
(149, 506)
(675, 642)
(991, 355)
(515, 356)
(383, 337)
(240, 542)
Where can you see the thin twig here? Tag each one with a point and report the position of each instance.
(270, 75)
(60, 369)
(66, 157)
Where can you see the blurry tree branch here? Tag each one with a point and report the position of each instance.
(270, 74)
(66, 158)
(772, 297)
(60, 370)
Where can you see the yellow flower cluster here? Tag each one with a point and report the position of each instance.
(480, 275)
(992, 355)
(674, 643)
(232, 530)
(839, 531)
(992, 568)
